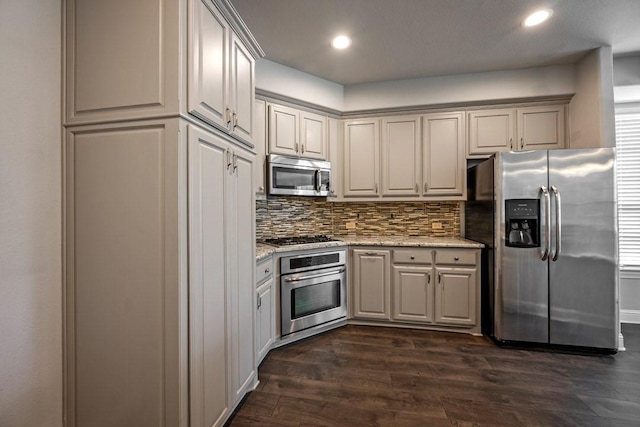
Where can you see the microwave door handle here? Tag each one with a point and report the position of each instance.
(317, 179)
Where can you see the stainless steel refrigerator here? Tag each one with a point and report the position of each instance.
(549, 223)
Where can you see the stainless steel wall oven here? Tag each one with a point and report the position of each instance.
(313, 290)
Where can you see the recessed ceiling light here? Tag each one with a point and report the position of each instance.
(537, 18)
(341, 42)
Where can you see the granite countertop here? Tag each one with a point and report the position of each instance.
(264, 250)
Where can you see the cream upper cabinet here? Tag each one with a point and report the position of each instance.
(541, 128)
(241, 90)
(260, 142)
(361, 173)
(221, 81)
(334, 145)
(208, 51)
(371, 279)
(401, 168)
(491, 131)
(516, 129)
(444, 163)
(149, 59)
(284, 130)
(297, 133)
(313, 135)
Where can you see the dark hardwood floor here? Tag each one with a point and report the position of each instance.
(374, 376)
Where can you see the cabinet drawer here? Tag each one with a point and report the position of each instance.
(264, 270)
(412, 256)
(456, 257)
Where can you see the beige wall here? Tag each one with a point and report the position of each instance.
(591, 112)
(30, 217)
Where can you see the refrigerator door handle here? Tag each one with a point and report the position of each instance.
(547, 226)
(556, 195)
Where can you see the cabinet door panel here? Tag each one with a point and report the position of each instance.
(443, 157)
(208, 286)
(491, 131)
(121, 295)
(541, 128)
(401, 156)
(361, 158)
(242, 89)
(265, 327)
(313, 139)
(412, 294)
(209, 63)
(456, 296)
(260, 141)
(283, 130)
(240, 221)
(371, 277)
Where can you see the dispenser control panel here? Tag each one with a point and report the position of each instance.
(522, 222)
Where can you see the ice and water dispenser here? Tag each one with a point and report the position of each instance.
(522, 219)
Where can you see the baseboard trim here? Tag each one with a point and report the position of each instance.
(630, 316)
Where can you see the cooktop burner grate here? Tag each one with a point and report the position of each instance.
(299, 240)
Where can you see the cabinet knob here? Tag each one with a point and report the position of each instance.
(261, 189)
(412, 257)
(521, 143)
(456, 258)
(266, 270)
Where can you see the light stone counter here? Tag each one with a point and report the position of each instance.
(264, 250)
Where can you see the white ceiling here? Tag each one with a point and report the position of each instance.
(402, 39)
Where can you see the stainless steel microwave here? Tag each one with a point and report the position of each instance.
(294, 176)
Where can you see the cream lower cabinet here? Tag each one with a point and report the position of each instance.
(371, 279)
(436, 287)
(265, 309)
(412, 293)
(457, 287)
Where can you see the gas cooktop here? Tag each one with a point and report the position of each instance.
(299, 240)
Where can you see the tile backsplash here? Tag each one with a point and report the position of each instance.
(298, 216)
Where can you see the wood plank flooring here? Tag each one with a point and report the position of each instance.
(375, 376)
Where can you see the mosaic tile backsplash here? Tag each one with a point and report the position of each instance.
(299, 216)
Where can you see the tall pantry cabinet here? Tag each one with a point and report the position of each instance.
(159, 212)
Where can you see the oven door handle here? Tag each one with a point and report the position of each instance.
(327, 273)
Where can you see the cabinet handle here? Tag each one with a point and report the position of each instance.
(511, 143)
(428, 277)
(259, 301)
(417, 187)
(235, 120)
(370, 253)
(228, 116)
(302, 148)
(376, 188)
(439, 277)
(296, 147)
(228, 159)
(425, 187)
(521, 143)
(235, 162)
